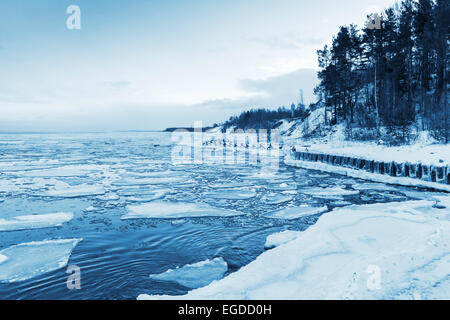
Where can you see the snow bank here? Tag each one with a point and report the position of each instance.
(434, 154)
(172, 210)
(295, 212)
(28, 260)
(361, 174)
(35, 221)
(195, 275)
(381, 251)
(277, 239)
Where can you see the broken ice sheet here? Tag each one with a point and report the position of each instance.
(195, 275)
(296, 212)
(172, 210)
(35, 221)
(28, 260)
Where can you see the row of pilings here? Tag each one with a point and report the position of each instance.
(393, 169)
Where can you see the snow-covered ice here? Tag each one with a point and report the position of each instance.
(231, 194)
(151, 181)
(373, 186)
(172, 210)
(277, 239)
(329, 192)
(381, 251)
(28, 260)
(3, 258)
(296, 212)
(275, 198)
(360, 174)
(35, 221)
(149, 197)
(195, 275)
(77, 191)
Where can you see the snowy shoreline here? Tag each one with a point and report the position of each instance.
(360, 174)
(381, 251)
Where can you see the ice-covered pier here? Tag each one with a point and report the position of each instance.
(430, 176)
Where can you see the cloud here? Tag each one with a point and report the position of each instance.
(119, 84)
(287, 41)
(284, 87)
(269, 93)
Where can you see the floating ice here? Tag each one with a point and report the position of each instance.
(77, 191)
(283, 186)
(229, 185)
(66, 171)
(195, 275)
(151, 181)
(296, 212)
(111, 197)
(329, 192)
(237, 194)
(277, 239)
(28, 260)
(276, 198)
(35, 221)
(345, 255)
(172, 210)
(155, 196)
(373, 186)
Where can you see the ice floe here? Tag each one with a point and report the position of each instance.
(77, 191)
(28, 260)
(231, 194)
(295, 212)
(373, 186)
(275, 198)
(150, 197)
(283, 186)
(380, 251)
(195, 275)
(151, 181)
(35, 221)
(172, 210)
(329, 192)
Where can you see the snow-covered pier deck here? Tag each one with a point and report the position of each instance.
(404, 173)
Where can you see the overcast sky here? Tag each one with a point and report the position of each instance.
(141, 64)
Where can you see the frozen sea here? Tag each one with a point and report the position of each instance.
(116, 206)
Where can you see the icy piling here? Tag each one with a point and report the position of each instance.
(429, 173)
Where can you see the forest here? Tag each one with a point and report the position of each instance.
(387, 79)
(393, 76)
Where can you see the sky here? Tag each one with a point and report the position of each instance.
(148, 65)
